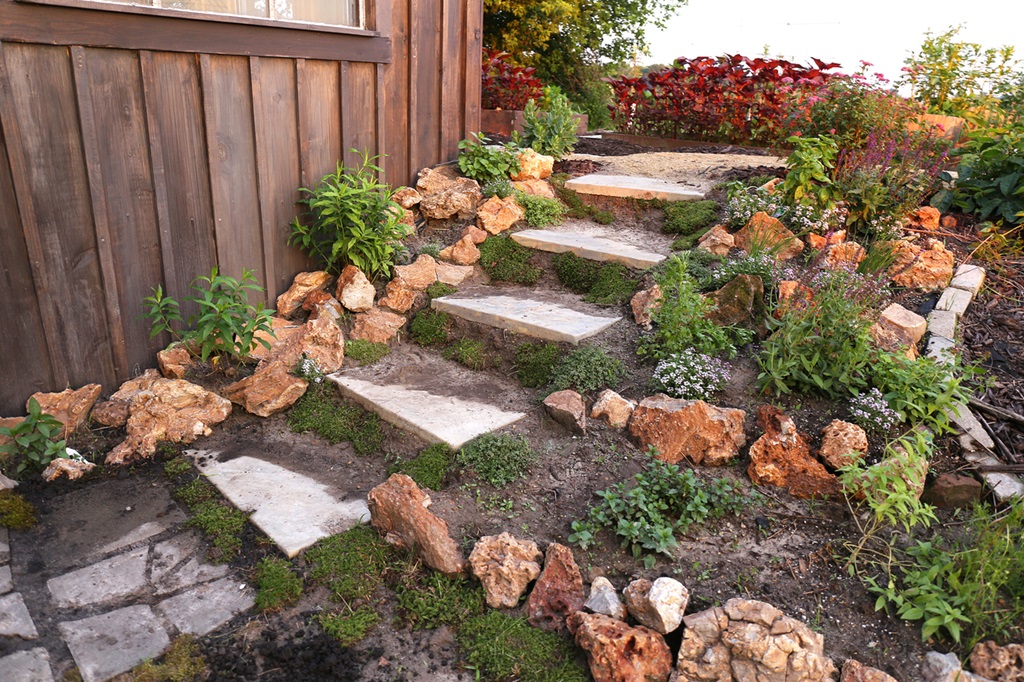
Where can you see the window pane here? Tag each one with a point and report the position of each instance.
(245, 8)
(339, 13)
(330, 12)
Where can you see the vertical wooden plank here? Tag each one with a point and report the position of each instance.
(227, 107)
(474, 63)
(39, 111)
(396, 98)
(414, 91)
(319, 94)
(452, 51)
(277, 156)
(360, 119)
(425, 117)
(378, 124)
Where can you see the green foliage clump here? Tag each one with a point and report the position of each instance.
(440, 290)
(277, 584)
(34, 441)
(349, 626)
(16, 512)
(501, 188)
(502, 647)
(178, 466)
(429, 468)
(663, 502)
(540, 211)
(429, 327)
(989, 177)
(321, 411)
(587, 369)
(808, 180)
(351, 565)
(366, 352)
(505, 260)
(689, 218)
(351, 220)
(183, 662)
(549, 128)
(486, 163)
(432, 249)
(922, 390)
(222, 525)
(603, 283)
(698, 262)
(430, 599)
(499, 459)
(536, 362)
(467, 352)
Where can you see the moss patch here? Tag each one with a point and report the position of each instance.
(195, 492)
(429, 327)
(222, 525)
(690, 217)
(276, 584)
(322, 411)
(575, 206)
(16, 512)
(181, 663)
(440, 289)
(536, 362)
(504, 260)
(429, 599)
(178, 466)
(502, 647)
(603, 283)
(351, 564)
(499, 459)
(429, 468)
(467, 352)
(366, 352)
(349, 626)
(587, 369)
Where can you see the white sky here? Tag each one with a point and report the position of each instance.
(883, 32)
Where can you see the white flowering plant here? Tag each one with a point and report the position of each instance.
(871, 411)
(691, 375)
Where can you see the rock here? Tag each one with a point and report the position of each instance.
(314, 299)
(620, 653)
(463, 252)
(73, 469)
(460, 199)
(766, 232)
(536, 188)
(847, 256)
(771, 185)
(604, 599)
(854, 671)
(924, 218)
(354, 290)
(558, 592)
(782, 457)
(398, 296)
(998, 663)
(406, 197)
(437, 179)
(892, 339)
(320, 339)
(475, 233)
(702, 433)
(377, 325)
(398, 510)
(644, 304)
(165, 409)
(534, 166)
(815, 241)
(717, 240)
(290, 301)
(328, 307)
(69, 407)
(793, 295)
(568, 409)
(948, 221)
(739, 303)
(496, 215)
(659, 605)
(755, 641)
(842, 444)
(112, 413)
(282, 330)
(928, 269)
(7, 483)
(505, 567)
(453, 275)
(272, 389)
(946, 668)
(953, 490)
(613, 408)
(898, 317)
(420, 274)
(174, 362)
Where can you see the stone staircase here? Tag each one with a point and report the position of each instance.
(631, 187)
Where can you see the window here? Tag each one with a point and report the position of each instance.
(328, 12)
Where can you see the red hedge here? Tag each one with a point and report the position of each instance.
(505, 86)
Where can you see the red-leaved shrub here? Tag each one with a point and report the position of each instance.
(506, 86)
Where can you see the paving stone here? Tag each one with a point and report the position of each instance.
(5, 546)
(940, 348)
(1004, 486)
(292, 509)
(955, 300)
(965, 419)
(15, 620)
(174, 565)
(632, 187)
(6, 581)
(114, 642)
(942, 323)
(113, 578)
(207, 607)
(142, 533)
(530, 316)
(26, 666)
(969, 278)
(586, 246)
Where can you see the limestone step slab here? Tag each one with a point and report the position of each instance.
(112, 643)
(632, 187)
(26, 666)
(586, 246)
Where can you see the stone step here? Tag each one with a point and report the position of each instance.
(586, 246)
(632, 187)
(533, 314)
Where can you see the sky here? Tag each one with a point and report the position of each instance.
(883, 32)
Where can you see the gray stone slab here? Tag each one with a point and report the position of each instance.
(294, 510)
(112, 643)
(1005, 486)
(6, 580)
(530, 316)
(632, 187)
(942, 323)
(141, 534)
(26, 666)
(5, 546)
(941, 349)
(175, 565)
(586, 246)
(15, 620)
(969, 278)
(955, 300)
(205, 608)
(113, 578)
(965, 419)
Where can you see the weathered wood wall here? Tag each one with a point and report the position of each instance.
(138, 149)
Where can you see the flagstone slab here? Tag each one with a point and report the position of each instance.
(142, 533)
(112, 643)
(632, 187)
(587, 246)
(115, 578)
(6, 581)
(5, 546)
(205, 608)
(174, 565)
(969, 278)
(26, 666)
(15, 620)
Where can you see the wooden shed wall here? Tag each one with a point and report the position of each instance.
(135, 151)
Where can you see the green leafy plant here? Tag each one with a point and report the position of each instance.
(322, 411)
(990, 180)
(536, 362)
(922, 390)
(603, 283)
(351, 220)
(429, 327)
(349, 626)
(366, 352)
(549, 128)
(34, 441)
(501, 188)
(486, 163)
(540, 211)
(499, 459)
(505, 260)
(807, 180)
(502, 647)
(429, 468)
(277, 585)
(586, 369)
(16, 512)
(467, 352)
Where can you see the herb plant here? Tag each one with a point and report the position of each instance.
(587, 369)
(34, 442)
(550, 127)
(690, 375)
(808, 178)
(540, 211)
(990, 180)
(487, 163)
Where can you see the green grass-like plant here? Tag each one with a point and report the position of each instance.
(501, 188)
(689, 217)
(575, 207)
(498, 459)
(351, 565)
(430, 599)
(349, 626)
(277, 584)
(222, 525)
(440, 289)
(178, 466)
(429, 468)
(540, 211)
(432, 249)
(183, 662)
(429, 327)
(16, 512)
(587, 369)
(195, 493)
(366, 352)
(536, 362)
(468, 352)
(322, 411)
(503, 647)
(504, 260)
(603, 283)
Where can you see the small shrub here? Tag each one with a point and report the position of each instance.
(871, 411)
(808, 179)
(540, 211)
(761, 264)
(183, 662)
(486, 163)
(504, 260)
(432, 249)
(506, 86)
(587, 369)
(502, 647)
(366, 352)
(697, 262)
(499, 459)
(536, 362)
(321, 411)
(989, 177)
(467, 352)
(351, 565)
(178, 466)
(690, 217)
(16, 512)
(501, 188)
(34, 441)
(351, 626)
(223, 525)
(690, 375)
(429, 468)
(277, 584)
(430, 599)
(429, 327)
(549, 128)
(440, 290)
(921, 390)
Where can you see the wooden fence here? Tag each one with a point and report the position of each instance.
(138, 149)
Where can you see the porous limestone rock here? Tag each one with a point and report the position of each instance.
(946, 668)
(377, 325)
(174, 362)
(320, 339)
(406, 197)
(420, 274)
(398, 296)
(855, 671)
(702, 433)
(924, 218)
(73, 469)
(453, 275)
(842, 444)
(112, 413)
(290, 301)
(927, 268)
(717, 241)
(767, 232)
(893, 339)
(644, 304)
(505, 567)
(659, 605)
(437, 179)
(613, 408)
(558, 592)
(459, 199)
(998, 663)
(604, 599)
(846, 256)
(281, 330)
(354, 290)
(536, 188)
(462, 252)
(496, 215)
(272, 389)
(618, 652)
(69, 407)
(782, 457)
(534, 166)
(792, 294)
(475, 233)
(740, 303)
(568, 409)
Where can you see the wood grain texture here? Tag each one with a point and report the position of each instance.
(396, 99)
(360, 119)
(425, 80)
(319, 103)
(474, 63)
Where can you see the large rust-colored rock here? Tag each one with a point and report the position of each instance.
(765, 232)
(950, 491)
(535, 187)
(69, 407)
(437, 179)
(613, 408)
(998, 663)
(407, 197)
(497, 215)
(782, 458)
(72, 469)
(534, 166)
(475, 233)
(272, 389)
(750, 640)
(462, 252)
(398, 510)
(398, 296)
(845, 256)
(644, 304)
(165, 409)
(855, 671)
(174, 362)
(290, 301)
(315, 299)
(320, 339)
(453, 275)
(558, 592)
(842, 444)
(354, 290)
(717, 240)
(702, 433)
(568, 409)
(924, 218)
(740, 303)
(282, 330)
(927, 268)
(505, 567)
(618, 652)
(459, 199)
(420, 274)
(377, 325)
(792, 296)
